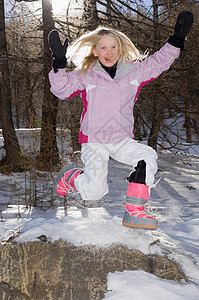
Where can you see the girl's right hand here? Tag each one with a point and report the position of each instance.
(59, 50)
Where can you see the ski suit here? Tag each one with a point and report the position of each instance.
(107, 122)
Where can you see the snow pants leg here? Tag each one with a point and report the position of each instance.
(92, 184)
(131, 152)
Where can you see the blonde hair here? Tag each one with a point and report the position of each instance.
(80, 52)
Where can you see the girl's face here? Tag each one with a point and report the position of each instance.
(106, 51)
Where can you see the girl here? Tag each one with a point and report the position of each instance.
(109, 80)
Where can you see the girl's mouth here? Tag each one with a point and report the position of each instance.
(108, 59)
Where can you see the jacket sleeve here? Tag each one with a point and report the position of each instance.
(157, 63)
(65, 85)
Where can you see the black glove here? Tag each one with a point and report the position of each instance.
(183, 25)
(59, 50)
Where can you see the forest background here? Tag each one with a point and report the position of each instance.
(166, 113)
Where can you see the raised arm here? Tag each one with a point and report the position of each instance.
(161, 60)
(63, 85)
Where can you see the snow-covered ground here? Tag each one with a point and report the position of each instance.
(175, 202)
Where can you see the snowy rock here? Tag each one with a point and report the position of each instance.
(60, 270)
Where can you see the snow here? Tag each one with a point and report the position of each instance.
(140, 285)
(174, 202)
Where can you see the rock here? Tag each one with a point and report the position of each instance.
(62, 271)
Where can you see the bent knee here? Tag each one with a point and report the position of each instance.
(151, 153)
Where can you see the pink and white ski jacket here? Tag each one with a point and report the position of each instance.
(108, 103)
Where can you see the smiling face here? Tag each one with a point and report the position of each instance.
(106, 51)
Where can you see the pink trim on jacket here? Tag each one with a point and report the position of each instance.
(138, 91)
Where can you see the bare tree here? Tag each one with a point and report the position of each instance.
(156, 119)
(13, 151)
(48, 147)
(26, 76)
(49, 156)
(90, 16)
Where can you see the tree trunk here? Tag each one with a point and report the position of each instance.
(12, 148)
(90, 16)
(48, 148)
(30, 110)
(153, 137)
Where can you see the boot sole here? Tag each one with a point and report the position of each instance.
(143, 226)
(136, 222)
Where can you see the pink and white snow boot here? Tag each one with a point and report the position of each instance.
(64, 182)
(135, 210)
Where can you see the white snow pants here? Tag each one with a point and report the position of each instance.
(92, 183)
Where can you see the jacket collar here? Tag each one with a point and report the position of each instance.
(122, 70)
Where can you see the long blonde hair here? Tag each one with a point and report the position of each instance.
(80, 52)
